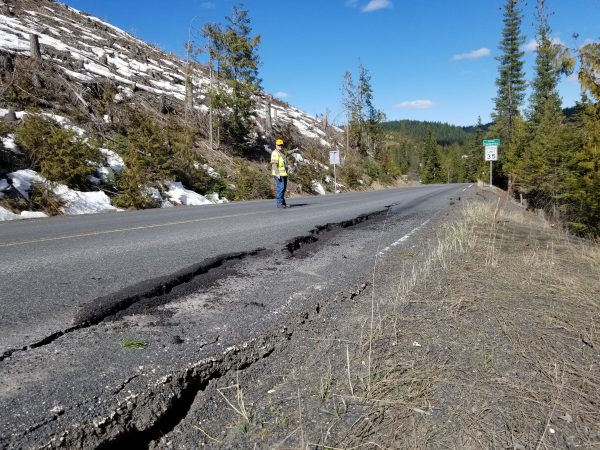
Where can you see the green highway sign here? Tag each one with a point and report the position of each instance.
(491, 142)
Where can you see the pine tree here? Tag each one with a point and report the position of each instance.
(587, 193)
(236, 53)
(372, 117)
(547, 74)
(351, 106)
(365, 124)
(545, 156)
(430, 162)
(544, 161)
(475, 160)
(511, 80)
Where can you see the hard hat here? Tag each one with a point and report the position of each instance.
(279, 142)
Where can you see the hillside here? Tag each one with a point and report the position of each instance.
(62, 68)
(444, 133)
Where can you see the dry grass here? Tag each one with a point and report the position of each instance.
(505, 312)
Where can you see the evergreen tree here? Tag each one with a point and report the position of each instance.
(475, 160)
(544, 161)
(544, 158)
(430, 162)
(511, 80)
(547, 74)
(352, 108)
(236, 53)
(373, 117)
(365, 125)
(586, 195)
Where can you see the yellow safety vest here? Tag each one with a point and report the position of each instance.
(279, 159)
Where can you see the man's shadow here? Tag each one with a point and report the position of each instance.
(297, 205)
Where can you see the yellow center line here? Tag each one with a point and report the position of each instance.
(121, 230)
(146, 227)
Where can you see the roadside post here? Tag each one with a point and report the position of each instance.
(334, 158)
(491, 152)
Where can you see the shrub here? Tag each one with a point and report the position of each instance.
(43, 199)
(69, 160)
(304, 175)
(251, 182)
(31, 135)
(59, 154)
(133, 183)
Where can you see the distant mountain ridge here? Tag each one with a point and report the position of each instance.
(444, 133)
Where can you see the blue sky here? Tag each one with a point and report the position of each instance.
(429, 59)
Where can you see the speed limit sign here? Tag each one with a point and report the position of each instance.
(491, 153)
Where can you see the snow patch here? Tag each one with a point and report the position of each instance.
(182, 196)
(76, 202)
(5, 214)
(32, 215)
(114, 161)
(23, 179)
(9, 144)
(318, 188)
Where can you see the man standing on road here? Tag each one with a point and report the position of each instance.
(279, 170)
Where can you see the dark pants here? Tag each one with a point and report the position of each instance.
(281, 185)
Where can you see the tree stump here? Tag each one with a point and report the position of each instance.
(34, 47)
(10, 116)
(35, 81)
(7, 62)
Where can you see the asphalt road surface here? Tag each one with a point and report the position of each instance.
(52, 267)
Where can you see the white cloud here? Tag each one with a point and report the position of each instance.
(351, 3)
(532, 45)
(208, 5)
(475, 54)
(375, 5)
(281, 94)
(416, 104)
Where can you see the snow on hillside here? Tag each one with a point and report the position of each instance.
(77, 202)
(87, 48)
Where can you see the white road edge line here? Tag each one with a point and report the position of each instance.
(403, 238)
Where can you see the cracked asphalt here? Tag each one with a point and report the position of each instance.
(85, 388)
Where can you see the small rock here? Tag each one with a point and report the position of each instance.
(567, 418)
(416, 344)
(57, 410)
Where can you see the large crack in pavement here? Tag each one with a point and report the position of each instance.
(140, 419)
(299, 242)
(99, 309)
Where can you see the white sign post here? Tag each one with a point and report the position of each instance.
(491, 153)
(334, 158)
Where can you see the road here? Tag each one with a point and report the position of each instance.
(51, 267)
(62, 373)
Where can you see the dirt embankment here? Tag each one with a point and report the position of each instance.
(485, 337)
